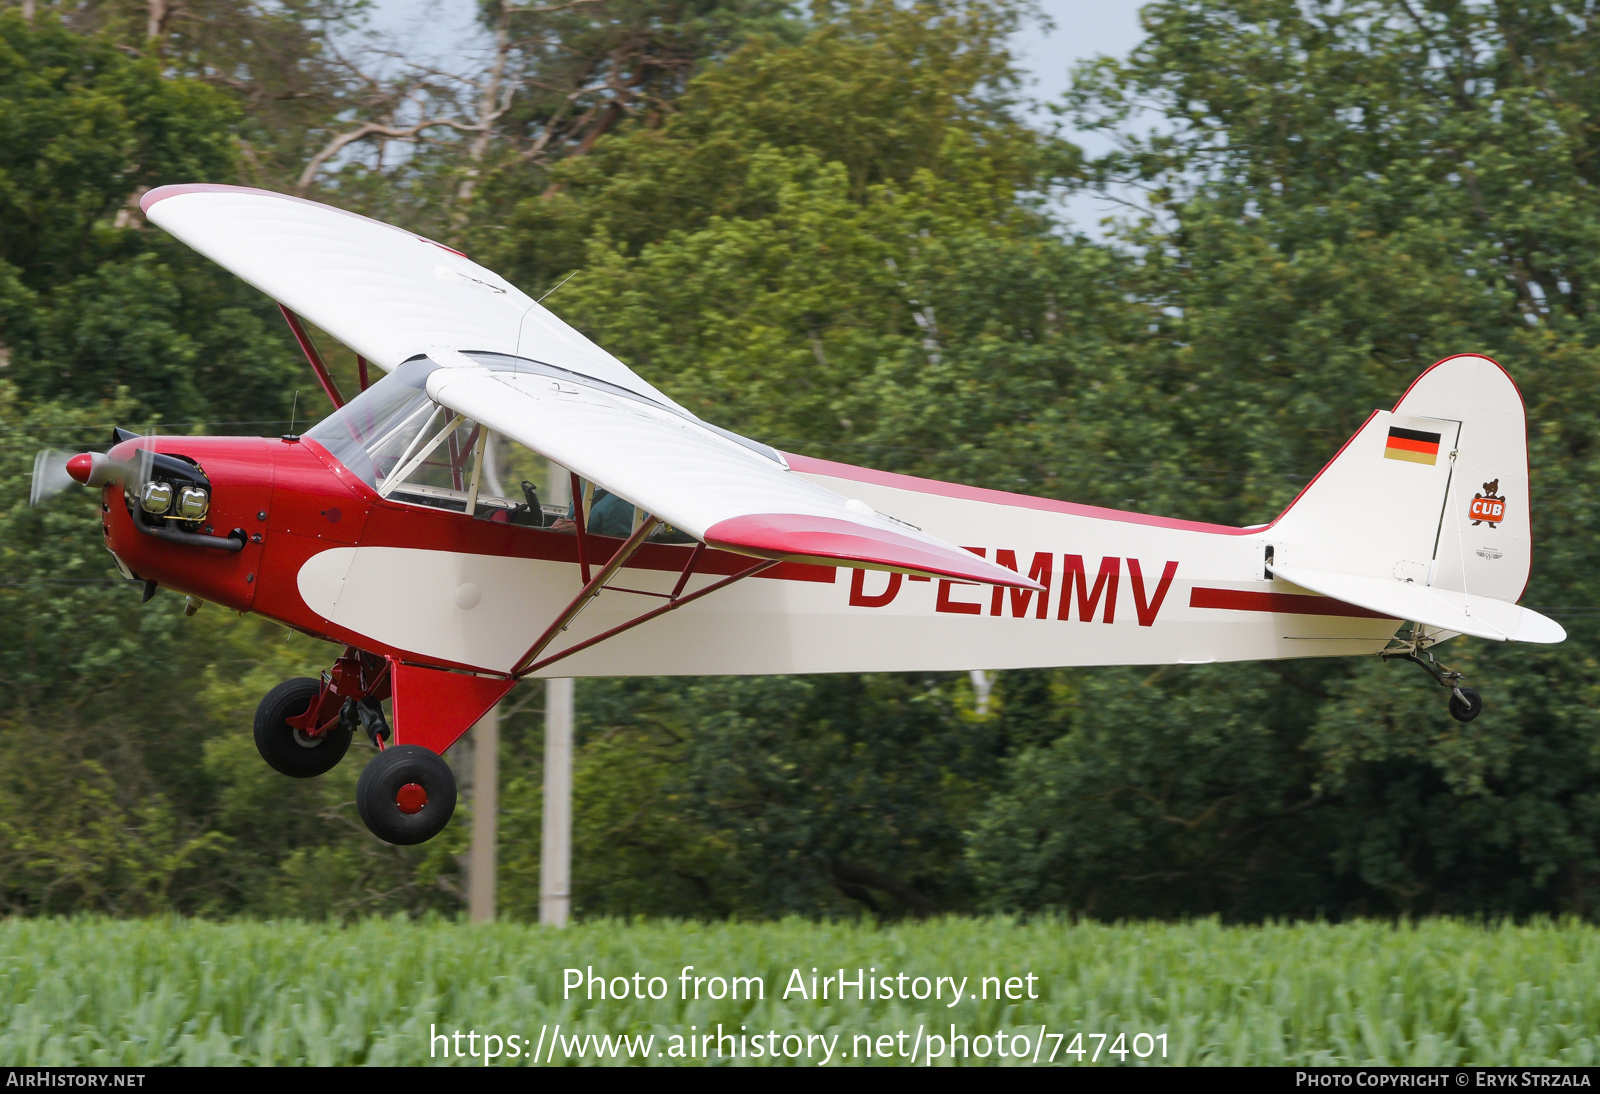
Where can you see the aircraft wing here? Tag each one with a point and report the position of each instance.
(384, 292)
(1479, 616)
(391, 296)
(695, 478)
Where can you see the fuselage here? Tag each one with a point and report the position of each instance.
(324, 554)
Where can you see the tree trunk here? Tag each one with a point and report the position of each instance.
(489, 110)
(156, 24)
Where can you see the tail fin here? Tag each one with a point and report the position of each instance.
(1424, 513)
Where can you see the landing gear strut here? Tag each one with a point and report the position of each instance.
(304, 726)
(367, 716)
(1465, 703)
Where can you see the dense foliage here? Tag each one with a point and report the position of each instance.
(90, 303)
(837, 233)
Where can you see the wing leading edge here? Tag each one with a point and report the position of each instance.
(384, 292)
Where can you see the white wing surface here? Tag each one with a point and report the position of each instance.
(392, 296)
(676, 468)
(384, 292)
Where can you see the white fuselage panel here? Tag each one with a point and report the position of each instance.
(485, 610)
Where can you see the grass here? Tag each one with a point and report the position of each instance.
(173, 991)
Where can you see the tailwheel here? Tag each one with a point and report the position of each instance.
(407, 794)
(287, 749)
(1465, 704)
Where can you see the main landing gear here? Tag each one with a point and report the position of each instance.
(1465, 703)
(304, 727)
(406, 794)
(290, 749)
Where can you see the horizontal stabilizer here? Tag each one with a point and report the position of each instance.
(1479, 616)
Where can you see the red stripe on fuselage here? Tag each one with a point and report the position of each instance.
(1240, 600)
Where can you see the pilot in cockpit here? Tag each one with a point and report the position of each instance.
(608, 515)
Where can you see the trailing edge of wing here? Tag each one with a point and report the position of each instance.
(1479, 616)
(674, 467)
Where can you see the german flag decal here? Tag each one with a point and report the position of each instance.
(1412, 445)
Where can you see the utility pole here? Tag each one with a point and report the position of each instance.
(555, 857)
(982, 685)
(555, 861)
(483, 854)
(482, 866)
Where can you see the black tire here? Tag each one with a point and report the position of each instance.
(1465, 711)
(390, 785)
(286, 750)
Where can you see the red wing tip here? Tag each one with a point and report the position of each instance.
(962, 576)
(827, 540)
(161, 193)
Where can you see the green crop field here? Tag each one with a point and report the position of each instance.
(95, 991)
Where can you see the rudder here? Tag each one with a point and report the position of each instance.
(1433, 493)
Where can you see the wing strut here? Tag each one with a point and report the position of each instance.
(310, 350)
(578, 527)
(590, 590)
(530, 662)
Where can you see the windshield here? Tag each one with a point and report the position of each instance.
(373, 432)
(410, 449)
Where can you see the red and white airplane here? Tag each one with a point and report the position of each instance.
(386, 528)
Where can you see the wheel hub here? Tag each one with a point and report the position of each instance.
(410, 798)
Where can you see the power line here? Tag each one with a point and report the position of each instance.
(43, 581)
(792, 444)
(108, 426)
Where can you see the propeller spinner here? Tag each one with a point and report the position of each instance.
(54, 470)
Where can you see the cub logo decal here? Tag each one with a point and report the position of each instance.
(1488, 507)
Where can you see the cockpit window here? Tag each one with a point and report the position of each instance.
(373, 432)
(413, 450)
(410, 449)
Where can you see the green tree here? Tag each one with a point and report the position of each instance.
(766, 796)
(92, 301)
(126, 728)
(1338, 196)
(872, 86)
